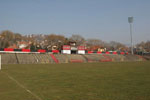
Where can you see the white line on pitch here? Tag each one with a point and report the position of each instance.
(19, 84)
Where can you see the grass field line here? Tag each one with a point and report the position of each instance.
(22, 86)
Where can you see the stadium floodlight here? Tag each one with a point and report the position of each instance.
(130, 20)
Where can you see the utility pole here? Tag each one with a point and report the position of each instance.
(130, 20)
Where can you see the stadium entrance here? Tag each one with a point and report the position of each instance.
(74, 50)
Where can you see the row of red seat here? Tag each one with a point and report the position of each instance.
(122, 53)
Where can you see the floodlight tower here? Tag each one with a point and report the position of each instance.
(130, 20)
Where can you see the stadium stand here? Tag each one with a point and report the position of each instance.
(25, 58)
(43, 58)
(117, 57)
(146, 57)
(94, 57)
(46, 58)
(132, 58)
(54, 58)
(73, 58)
(8, 58)
(62, 58)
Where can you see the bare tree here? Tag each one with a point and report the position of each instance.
(78, 39)
(94, 42)
(6, 38)
(55, 40)
(143, 46)
(113, 45)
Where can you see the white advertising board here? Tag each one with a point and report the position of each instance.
(81, 51)
(66, 51)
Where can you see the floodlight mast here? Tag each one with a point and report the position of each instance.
(130, 20)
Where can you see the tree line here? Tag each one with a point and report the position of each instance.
(43, 41)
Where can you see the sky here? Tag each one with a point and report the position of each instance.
(106, 20)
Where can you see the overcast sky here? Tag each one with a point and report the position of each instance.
(102, 19)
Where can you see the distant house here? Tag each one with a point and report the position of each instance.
(96, 48)
(24, 45)
(54, 47)
(14, 46)
(72, 43)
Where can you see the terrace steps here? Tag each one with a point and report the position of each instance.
(45, 58)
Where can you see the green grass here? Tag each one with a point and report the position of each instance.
(86, 81)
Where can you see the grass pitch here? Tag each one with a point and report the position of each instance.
(86, 81)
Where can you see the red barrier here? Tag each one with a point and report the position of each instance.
(8, 49)
(41, 50)
(90, 52)
(115, 53)
(99, 52)
(55, 51)
(107, 52)
(122, 53)
(25, 50)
